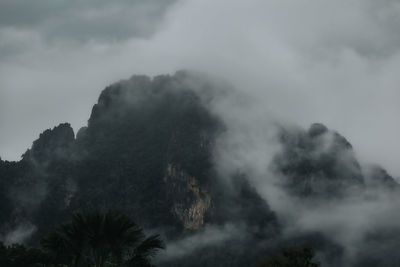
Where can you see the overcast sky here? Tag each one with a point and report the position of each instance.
(336, 62)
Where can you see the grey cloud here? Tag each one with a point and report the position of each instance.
(300, 62)
(323, 29)
(19, 234)
(84, 20)
(211, 235)
(303, 61)
(334, 62)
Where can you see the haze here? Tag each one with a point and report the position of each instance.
(305, 61)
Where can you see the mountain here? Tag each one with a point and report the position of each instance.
(321, 163)
(148, 150)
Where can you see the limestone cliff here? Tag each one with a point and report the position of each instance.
(190, 200)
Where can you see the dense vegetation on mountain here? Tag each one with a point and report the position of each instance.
(296, 256)
(97, 239)
(148, 150)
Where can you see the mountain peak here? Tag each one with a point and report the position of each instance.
(317, 129)
(51, 143)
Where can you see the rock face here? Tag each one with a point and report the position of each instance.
(36, 187)
(321, 163)
(148, 150)
(317, 162)
(190, 200)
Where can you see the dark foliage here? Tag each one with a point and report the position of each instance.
(100, 239)
(294, 256)
(18, 255)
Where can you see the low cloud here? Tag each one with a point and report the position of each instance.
(324, 61)
(19, 234)
(299, 62)
(209, 236)
(84, 20)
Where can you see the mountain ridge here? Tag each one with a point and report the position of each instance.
(148, 150)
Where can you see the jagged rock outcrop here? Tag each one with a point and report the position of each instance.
(137, 129)
(35, 188)
(321, 163)
(190, 200)
(52, 144)
(317, 162)
(148, 150)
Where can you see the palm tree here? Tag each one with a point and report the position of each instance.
(101, 239)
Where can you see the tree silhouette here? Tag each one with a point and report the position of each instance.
(101, 239)
(17, 255)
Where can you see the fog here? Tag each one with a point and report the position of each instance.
(305, 61)
(211, 235)
(290, 62)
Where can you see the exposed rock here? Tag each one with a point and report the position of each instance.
(148, 151)
(190, 201)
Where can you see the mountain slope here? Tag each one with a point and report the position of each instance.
(148, 150)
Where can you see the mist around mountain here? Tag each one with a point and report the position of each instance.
(176, 154)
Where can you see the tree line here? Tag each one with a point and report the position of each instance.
(112, 239)
(98, 239)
